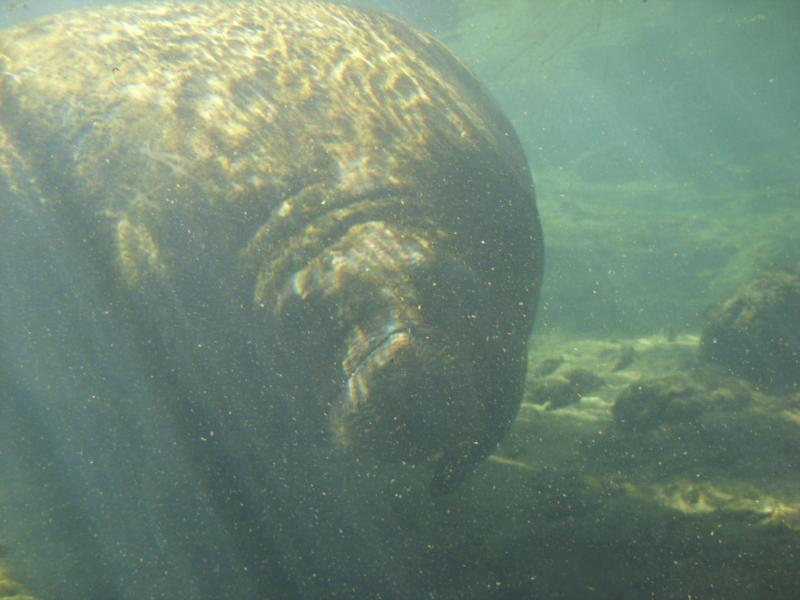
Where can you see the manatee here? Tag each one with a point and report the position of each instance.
(244, 245)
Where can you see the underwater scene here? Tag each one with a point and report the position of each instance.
(446, 299)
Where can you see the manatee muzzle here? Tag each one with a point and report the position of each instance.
(408, 394)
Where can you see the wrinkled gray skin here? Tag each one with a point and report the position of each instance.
(249, 253)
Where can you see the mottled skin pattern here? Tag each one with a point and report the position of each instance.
(327, 186)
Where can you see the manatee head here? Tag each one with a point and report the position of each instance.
(409, 392)
(407, 312)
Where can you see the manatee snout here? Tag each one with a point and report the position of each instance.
(411, 332)
(408, 396)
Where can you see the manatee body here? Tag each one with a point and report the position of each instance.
(240, 241)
